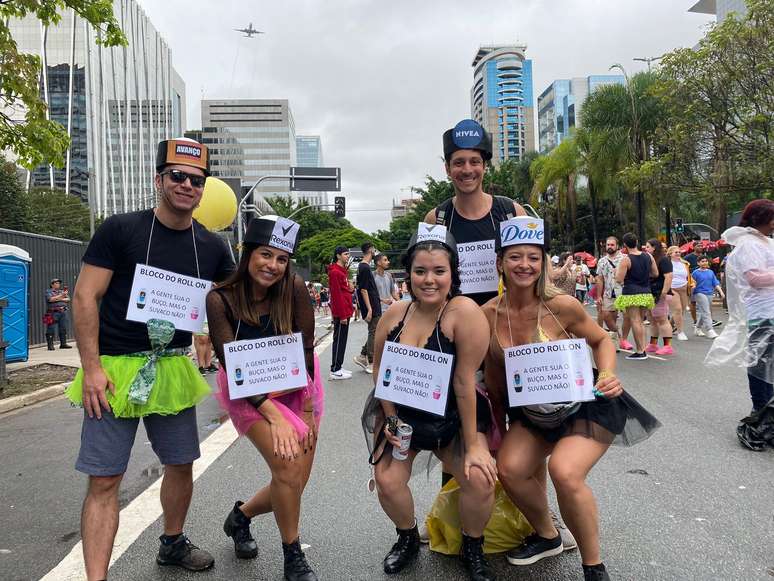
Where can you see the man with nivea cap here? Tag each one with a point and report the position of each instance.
(472, 216)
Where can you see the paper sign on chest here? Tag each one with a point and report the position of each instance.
(169, 296)
(414, 377)
(478, 271)
(259, 366)
(552, 372)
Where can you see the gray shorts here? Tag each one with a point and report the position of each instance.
(106, 444)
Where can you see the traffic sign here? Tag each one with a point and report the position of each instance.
(315, 179)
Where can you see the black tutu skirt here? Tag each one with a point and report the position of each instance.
(620, 421)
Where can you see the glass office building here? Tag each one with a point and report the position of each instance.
(501, 99)
(251, 138)
(116, 103)
(560, 104)
(309, 154)
(720, 8)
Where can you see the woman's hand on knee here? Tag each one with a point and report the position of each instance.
(478, 456)
(285, 440)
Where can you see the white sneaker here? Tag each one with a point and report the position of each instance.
(711, 334)
(682, 336)
(339, 375)
(369, 369)
(698, 332)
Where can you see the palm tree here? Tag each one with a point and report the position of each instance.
(559, 169)
(629, 112)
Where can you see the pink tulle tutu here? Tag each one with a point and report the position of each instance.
(243, 414)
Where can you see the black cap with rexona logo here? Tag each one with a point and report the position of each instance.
(274, 231)
(467, 134)
(183, 151)
(432, 233)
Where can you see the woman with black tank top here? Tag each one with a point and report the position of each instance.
(265, 298)
(573, 435)
(438, 320)
(634, 273)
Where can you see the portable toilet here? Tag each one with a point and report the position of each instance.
(14, 286)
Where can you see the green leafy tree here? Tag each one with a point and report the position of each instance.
(312, 220)
(319, 248)
(56, 213)
(716, 139)
(511, 178)
(37, 140)
(14, 207)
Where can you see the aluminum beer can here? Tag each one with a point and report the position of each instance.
(403, 433)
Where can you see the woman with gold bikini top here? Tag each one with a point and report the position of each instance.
(574, 434)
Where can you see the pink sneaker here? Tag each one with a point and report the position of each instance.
(626, 345)
(651, 348)
(665, 350)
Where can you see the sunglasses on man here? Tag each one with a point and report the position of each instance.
(179, 177)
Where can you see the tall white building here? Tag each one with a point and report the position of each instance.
(250, 138)
(116, 103)
(720, 8)
(501, 99)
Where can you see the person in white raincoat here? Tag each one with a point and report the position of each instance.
(748, 338)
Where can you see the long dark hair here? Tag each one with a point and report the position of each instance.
(658, 249)
(239, 289)
(429, 246)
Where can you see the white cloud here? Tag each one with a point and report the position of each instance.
(381, 81)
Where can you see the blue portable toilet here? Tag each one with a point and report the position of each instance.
(14, 286)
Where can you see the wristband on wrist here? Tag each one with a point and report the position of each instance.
(605, 373)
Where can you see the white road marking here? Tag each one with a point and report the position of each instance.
(146, 508)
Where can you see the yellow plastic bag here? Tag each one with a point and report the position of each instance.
(506, 528)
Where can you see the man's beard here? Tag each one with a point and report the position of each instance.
(610, 250)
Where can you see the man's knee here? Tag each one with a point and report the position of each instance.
(183, 471)
(104, 487)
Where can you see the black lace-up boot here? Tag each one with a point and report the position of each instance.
(403, 552)
(237, 526)
(472, 556)
(296, 567)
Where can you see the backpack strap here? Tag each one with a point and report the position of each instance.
(442, 212)
(504, 206)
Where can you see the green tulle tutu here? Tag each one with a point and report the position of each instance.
(644, 300)
(178, 385)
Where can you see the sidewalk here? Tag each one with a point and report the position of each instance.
(38, 355)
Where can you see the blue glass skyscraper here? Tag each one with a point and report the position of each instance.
(502, 99)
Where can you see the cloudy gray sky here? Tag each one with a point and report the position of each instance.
(381, 81)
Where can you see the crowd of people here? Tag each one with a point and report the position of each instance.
(480, 317)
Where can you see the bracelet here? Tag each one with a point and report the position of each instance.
(605, 373)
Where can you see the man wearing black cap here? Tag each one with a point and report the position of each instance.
(57, 305)
(132, 369)
(473, 217)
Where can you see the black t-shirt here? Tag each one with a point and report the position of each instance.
(120, 244)
(485, 228)
(657, 284)
(367, 282)
(693, 260)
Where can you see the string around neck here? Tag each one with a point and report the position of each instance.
(193, 239)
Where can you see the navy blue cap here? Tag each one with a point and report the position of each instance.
(467, 134)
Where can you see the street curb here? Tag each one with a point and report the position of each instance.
(19, 401)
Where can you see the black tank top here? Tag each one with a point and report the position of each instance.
(438, 342)
(637, 279)
(486, 228)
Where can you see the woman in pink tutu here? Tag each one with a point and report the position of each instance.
(264, 298)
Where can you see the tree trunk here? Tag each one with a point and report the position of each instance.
(593, 201)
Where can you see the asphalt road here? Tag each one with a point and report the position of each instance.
(689, 503)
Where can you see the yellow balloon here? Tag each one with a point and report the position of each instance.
(218, 206)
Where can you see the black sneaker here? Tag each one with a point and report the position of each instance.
(637, 356)
(202, 371)
(183, 553)
(237, 526)
(212, 369)
(716, 323)
(595, 573)
(535, 548)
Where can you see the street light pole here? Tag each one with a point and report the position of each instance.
(648, 59)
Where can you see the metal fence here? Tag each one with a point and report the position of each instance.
(51, 258)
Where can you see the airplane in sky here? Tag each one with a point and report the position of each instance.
(249, 31)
